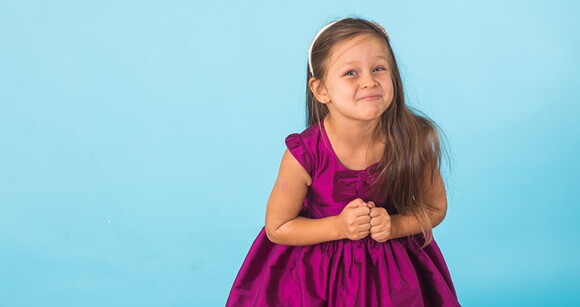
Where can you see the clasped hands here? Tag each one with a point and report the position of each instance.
(358, 219)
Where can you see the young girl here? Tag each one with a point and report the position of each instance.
(349, 219)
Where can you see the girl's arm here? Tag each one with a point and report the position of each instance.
(435, 197)
(284, 226)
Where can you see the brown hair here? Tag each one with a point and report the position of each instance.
(412, 151)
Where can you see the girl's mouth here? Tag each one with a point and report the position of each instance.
(370, 97)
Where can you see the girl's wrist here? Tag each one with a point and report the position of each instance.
(337, 231)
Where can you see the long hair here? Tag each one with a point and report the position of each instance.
(412, 152)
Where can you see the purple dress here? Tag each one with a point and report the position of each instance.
(343, 272)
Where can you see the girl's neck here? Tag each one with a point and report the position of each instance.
(355, 144)
(356, 134)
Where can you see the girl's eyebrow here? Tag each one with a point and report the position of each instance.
(349, 62)
(355, 61)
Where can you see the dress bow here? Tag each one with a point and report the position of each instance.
(350, 184)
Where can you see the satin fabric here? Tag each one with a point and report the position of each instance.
(343, 272)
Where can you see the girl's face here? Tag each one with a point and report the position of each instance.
(357, 84)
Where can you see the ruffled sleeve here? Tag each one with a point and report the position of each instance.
(300, 151)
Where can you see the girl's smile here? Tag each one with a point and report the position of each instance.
(371, 97)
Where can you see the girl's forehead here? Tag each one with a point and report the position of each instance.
(356, 48)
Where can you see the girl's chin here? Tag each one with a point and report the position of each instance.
(373, 114)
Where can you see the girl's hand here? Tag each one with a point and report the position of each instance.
(380, 223)
(354, 221)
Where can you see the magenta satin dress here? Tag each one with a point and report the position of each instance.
(343, 272)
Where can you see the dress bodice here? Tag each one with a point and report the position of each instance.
(333, 185)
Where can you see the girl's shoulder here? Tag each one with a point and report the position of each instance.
(305, 147)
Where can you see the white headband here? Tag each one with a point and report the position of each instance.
(324, 29)
(312, 44)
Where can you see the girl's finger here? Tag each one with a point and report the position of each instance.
(375, 222)
(376, 212)
(360, 211)
(363, 219)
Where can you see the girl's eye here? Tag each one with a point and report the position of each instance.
(350, 73)
(380, 68)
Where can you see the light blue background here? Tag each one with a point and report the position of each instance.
(139, 141)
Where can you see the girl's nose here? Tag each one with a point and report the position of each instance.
(370, 83)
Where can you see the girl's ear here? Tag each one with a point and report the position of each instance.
(319, 90)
